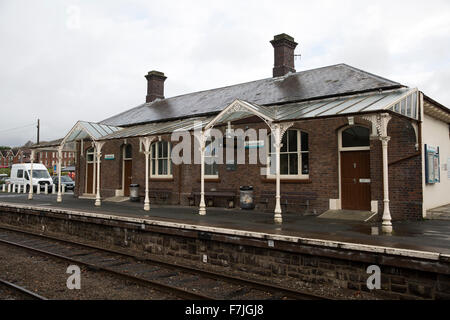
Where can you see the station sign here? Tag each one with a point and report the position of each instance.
(109, 157)
(254, 144)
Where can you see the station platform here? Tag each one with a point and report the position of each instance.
(427, 236)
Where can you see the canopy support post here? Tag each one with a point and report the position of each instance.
(59, 197)
(386, 225)
(30, 193)
(278, 131)
(379, 130)
(147, 142)
(98, 153)
(202, 206)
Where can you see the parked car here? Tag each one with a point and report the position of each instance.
(66, 181)
(20, 174)
(3, 178)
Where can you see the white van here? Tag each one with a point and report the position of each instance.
(20, 174)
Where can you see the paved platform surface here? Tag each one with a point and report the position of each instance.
(427, 235)
(363, 216)
(441, 213)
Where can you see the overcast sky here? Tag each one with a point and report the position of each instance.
(63, 61)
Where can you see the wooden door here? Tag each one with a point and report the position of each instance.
(90, 178)
(127, 177)
(355, 180)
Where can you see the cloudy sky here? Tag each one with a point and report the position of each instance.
(63, 61)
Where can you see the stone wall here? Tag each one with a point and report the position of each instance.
(401, 276)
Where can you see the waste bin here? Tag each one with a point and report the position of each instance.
(246, 197)
(134, 192)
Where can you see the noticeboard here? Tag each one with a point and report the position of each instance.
(432, 165)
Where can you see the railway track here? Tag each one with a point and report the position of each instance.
(21, 290)
(184, 282)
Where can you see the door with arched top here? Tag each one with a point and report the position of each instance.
(354, 146)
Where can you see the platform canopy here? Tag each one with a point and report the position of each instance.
(80, 131)
(89, 130)
(403, 101)
(159, 128)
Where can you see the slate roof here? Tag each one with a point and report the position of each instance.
(370, 102)
(307, 85)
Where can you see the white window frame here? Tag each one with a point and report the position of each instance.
(90, 151)
(299, 175)
(361, 148)
(210, 176)
(155, 157)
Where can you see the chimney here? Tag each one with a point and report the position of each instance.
(284, 46)
(155, 85)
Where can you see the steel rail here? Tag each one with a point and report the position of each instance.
(22, 290)
(262, 286)
(155, 285)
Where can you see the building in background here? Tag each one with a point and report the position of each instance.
(11, 156)
(49, 156)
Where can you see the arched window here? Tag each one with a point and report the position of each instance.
(161, 165)
(294, 155)
(355, 137)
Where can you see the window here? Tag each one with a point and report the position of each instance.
(20, 173)
(128, 152)
(407, 106)
(355, 136)
(211, 166)
(90, 155)
(161, 166)
(294, 155)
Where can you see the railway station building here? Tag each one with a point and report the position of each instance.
(333, 138)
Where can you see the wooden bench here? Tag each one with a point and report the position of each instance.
(211, 195)
(288, 198)
(160, 194)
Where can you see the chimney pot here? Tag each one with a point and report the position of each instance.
(284, 46)
(155, 85)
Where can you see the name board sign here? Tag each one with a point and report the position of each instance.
(109, 157)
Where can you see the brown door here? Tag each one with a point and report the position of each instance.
(127, 177)
(355, 180)
(90, 178)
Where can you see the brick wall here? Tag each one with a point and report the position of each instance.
(405, 176)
